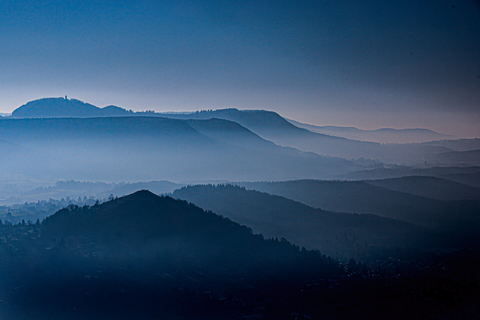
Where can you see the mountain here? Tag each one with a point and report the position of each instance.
(341, 235)
(273, 127)
(383, 135)
(145, 225)
(63, 107)
(429, 187)
(143, 256)
(362, 197)
(266, 124)
(152, 148)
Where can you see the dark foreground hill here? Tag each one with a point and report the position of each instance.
(149, 257)
(128, 257)
(341, 235)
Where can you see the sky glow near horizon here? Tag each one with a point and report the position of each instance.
(368, 64)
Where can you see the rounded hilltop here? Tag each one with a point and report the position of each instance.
(64, 108)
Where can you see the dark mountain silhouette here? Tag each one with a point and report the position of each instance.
(341, 235)
(149, 224)
(167, 234)
(129, 258)
(383, 135)
(430, 187)
(146, 148)
(362, 197)
(62, 107)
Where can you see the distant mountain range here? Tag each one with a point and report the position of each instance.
(384, 135)
(272, 127)
(152, 148)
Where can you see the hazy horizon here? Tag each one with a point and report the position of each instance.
(348, 63)
(422, 123)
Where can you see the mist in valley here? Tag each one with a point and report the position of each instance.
(239, 160)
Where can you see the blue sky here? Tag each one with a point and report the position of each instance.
(365, 63)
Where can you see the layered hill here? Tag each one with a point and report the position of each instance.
(362, 197)
(383, 135)
(146, 226)
(430, 187)
(63, 107)
(341, 235)
(271, 126)
(142, 256)
(465, 175)
(152, 148)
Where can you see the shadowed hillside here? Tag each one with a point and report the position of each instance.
(342, 235)
(142, 256)
(361, 197)
(430, 187)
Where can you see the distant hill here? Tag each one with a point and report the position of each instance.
(430, 187)
(362, 197)
(273, 127)
(153, 148)
(465, 175)
(62, 107)
(341, 235)
(266, 124)
(466, 158)
(384, 135)
(458, 144)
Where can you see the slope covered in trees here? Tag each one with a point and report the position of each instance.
(126, 257)
(362, 197)
(342, 235)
